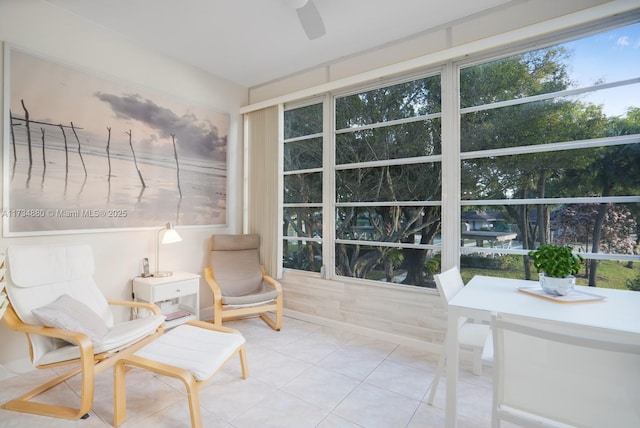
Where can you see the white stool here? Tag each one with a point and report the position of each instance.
(192, 352)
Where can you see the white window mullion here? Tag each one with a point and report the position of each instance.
(554, 201)
(388, 123)
(328, 188)
(618, 140)
(387, 162)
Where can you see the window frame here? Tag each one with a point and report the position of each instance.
(552, 40)
(436, 71)
(452, 156)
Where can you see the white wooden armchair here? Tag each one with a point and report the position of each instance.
(240, 286)
(55, 301)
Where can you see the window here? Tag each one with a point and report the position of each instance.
(549, 152)
(388, 182)
(302, 209)
(547, 155)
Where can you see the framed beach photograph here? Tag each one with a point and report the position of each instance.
(85, 153)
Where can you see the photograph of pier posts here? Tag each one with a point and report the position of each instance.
(84, 153)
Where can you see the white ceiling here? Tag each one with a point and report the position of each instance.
(250, 42)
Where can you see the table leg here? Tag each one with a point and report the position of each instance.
(452, 367)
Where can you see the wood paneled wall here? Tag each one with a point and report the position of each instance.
(404, 314)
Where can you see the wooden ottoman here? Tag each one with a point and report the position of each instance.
(192, 352)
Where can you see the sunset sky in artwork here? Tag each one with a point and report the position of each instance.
(60, 94)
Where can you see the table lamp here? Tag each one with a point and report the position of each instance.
(166, 235)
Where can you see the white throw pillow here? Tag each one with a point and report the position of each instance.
(68, 313)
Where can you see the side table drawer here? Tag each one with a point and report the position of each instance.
(174, 290)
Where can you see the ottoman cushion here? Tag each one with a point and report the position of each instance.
(200, 351)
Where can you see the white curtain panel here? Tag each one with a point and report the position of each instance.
(262, 197)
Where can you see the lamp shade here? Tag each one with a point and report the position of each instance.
(170, 235)
(166, 235)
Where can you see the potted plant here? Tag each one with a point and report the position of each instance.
(557, 266)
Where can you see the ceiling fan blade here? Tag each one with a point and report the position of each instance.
(311, 20)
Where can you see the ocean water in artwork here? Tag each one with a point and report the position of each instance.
(52, 192)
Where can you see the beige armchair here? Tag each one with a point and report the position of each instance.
(56, 302)
(240, 286)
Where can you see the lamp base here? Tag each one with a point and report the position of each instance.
(163, 273)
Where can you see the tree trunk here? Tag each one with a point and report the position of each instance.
(415, 259)
(597, 234)
(544, 229)
(521, 214)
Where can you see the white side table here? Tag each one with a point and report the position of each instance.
(178, 296)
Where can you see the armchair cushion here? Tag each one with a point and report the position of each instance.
(237, 272)
(71, 314)
(199, 350)
(118, 337)
(33, 266)
(236, 266)
(40, 274)
(251, 299)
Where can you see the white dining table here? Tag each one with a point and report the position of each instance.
(483, 295)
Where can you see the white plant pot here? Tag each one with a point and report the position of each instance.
(557, 286)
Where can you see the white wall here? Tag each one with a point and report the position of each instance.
(515, 21)
(42, 29)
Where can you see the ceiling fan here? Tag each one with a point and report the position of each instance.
(309, 17)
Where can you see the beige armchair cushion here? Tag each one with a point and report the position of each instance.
(237, 272)
(236, 264)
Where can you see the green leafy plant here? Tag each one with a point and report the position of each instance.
(556, 261)
(432, 265)
(634, 284)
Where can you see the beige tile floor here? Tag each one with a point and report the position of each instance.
(306, 375)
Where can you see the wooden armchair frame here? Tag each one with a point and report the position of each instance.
(90, 364)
